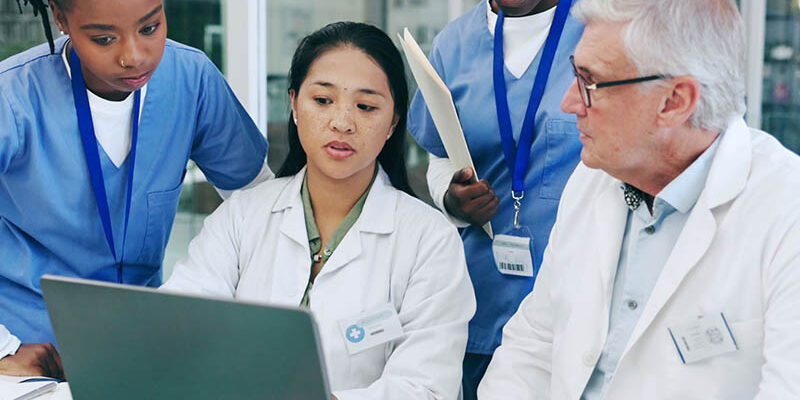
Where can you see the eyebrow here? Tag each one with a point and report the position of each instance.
(105, 27)
(151, 13)
(586, 72)
(363, 90)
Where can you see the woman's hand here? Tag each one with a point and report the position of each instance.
(469, 200)
(33, 360)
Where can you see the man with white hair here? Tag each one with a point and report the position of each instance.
(673, 268)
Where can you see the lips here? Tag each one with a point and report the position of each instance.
(137, 81)
(339, 150)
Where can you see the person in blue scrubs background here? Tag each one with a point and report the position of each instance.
(463, 54)
(95, 133)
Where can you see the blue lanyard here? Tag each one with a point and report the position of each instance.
(517, 157)
(89, 142)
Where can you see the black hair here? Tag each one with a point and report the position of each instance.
(40, 8)
(377, 45)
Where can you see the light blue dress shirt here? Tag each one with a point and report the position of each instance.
(646, 246)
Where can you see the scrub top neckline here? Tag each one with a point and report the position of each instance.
(487, 39)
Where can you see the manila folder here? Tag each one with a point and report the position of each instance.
(440, 104)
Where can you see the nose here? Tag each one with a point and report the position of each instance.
(572, 103)
(130, 54)
(342, 120)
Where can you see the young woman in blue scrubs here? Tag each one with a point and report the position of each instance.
(95, 133)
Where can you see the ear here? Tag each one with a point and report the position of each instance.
(293, 104)
(59, 18)
(679, 101)
(395, 120)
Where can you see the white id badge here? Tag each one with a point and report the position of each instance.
(371, 328)
(703, 337)
(512, 254)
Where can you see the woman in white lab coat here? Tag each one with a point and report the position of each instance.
(340, 231)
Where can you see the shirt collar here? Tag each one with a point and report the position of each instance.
(529, 24)
(682, 193)
(344, 226)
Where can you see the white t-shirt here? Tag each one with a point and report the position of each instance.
(112, 127)
(522, 37)
(111, 120)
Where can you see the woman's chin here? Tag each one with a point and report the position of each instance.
(340, 172)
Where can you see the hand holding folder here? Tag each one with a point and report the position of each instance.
(440, 104)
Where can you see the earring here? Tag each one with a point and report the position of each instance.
(61, 32)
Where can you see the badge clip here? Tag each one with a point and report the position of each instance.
(517, 205)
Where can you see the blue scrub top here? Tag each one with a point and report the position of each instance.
(462, 55)
(49, 223)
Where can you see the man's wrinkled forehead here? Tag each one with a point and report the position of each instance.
(601, 52)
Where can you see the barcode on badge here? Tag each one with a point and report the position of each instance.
(511, 267)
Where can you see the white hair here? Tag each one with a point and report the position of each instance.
(701, 38)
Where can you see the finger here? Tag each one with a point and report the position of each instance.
(464, 176)
(489, 210)
(47, 358)
(466, 193)
(57, 360)
(472, 207)
(43, 369)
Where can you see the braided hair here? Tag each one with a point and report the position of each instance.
(40, 8)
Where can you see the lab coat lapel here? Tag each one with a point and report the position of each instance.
(611, 215)
(588, 323)
(692, 244)
(290, 203)
(293, 260)
(726, 179)
(377, 216)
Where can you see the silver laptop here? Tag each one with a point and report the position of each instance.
(125, 342)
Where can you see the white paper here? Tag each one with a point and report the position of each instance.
(11, 388)
(440, 104)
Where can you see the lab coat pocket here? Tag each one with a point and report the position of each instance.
(367, 366)
(735, 375)
(749, 334)
(563, 151)
(161, 207)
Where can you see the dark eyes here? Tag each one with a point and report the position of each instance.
(322, 100)
(106, 40)
(103, 40)
(326, 101)
(149, 29)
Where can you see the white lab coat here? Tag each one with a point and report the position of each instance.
(399, 251)
(739, 253)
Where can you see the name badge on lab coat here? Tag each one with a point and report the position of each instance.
(512, 255)
(703, 337)
(371, 328)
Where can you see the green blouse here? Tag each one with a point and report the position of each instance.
(315, 242)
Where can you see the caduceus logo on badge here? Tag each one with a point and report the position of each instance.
(354, 333)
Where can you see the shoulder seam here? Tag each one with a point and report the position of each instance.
(16, 127)
(24, 64)
(173, 45)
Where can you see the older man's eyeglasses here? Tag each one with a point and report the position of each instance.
(585, 88)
